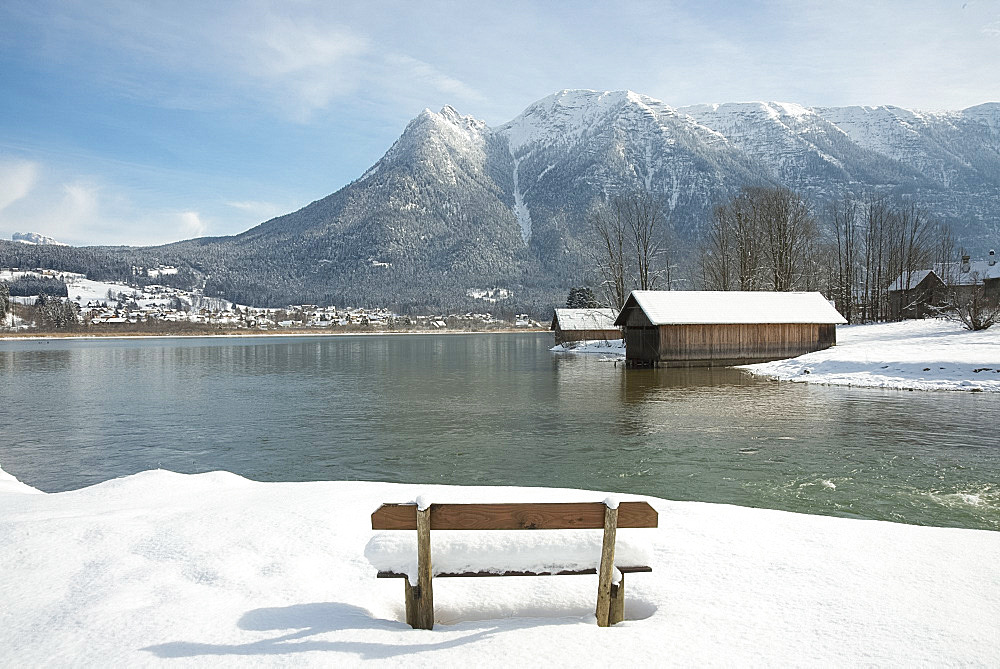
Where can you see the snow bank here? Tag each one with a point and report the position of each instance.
(920, 355)
(611, 348)
(502, 550)
(9, 484)
(215, 570)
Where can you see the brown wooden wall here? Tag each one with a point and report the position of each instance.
(729, 344)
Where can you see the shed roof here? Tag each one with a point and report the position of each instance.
(586, 319)
(690, 307)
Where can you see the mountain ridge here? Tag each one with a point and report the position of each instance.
(455, 205)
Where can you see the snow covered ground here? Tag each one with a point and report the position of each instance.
(931, 354)
(215, 570)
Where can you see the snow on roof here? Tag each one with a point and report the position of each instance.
(915, 278)
(586, 319)
(951, 274)
(689, 307)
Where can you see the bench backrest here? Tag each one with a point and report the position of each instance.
(516, 516)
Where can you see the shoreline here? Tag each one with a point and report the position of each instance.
(924, 355)
(248, 335)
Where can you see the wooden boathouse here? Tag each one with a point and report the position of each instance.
(582, 324)
(721, 328)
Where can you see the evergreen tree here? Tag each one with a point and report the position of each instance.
(581, 297)
(4, 302)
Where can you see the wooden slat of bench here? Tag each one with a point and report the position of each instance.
(565, 572)
(516, 516)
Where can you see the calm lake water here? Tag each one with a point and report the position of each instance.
(491, 409)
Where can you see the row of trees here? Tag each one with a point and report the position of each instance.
(760, 239)
(875, 241)
(54, 313)
(27, 285)
(769, 238)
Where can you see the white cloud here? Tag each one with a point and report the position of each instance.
(260, 211)
(80, 203)
(16, 181)
(306, 63)
(427, 76)
(191, 225)
(84, 211)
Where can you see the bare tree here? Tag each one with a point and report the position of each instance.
(787, 230)
(607, 221)
(912, 230)
(944, 253)
(972, 306)
(629, 236)
(875, 215)
(647, 222)
(717, 255)
(735, 250)
(760, 239)
(843, 218)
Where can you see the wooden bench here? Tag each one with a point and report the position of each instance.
(520, 516)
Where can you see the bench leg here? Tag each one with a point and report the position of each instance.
(616, 613)
(411, 605)
(420, 598)
(605, 572)
(419, 609)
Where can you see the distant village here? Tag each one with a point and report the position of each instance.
(107, 306)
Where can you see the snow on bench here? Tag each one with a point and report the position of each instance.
(503, 551)
(500, 553)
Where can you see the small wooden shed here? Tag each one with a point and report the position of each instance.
(581, 324)
(719, 328)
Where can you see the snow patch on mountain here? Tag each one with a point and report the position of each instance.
(561, 118)
(520, 208)
(891, 131)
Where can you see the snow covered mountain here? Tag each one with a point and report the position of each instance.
(35, 238)
(456, 206)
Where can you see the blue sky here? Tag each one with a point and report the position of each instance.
(139, 122)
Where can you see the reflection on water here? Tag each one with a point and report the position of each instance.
(492, 409)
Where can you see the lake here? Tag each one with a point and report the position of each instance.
(491, 409)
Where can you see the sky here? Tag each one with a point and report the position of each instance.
(141, 123)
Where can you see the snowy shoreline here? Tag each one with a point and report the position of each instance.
(931, 354)
(217, 570)
(612, 348)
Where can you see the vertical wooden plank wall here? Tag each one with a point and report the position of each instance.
(750, 341)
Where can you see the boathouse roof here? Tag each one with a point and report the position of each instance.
(585, 319)
(693, 307)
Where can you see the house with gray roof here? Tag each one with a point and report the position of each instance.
(924, 292)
